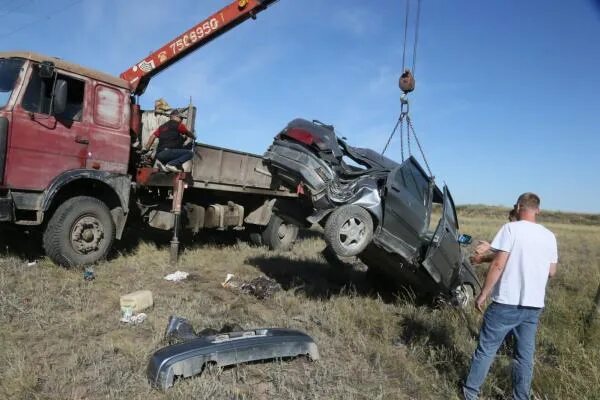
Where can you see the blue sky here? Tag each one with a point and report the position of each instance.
(507, 98)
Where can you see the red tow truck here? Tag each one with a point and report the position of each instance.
(70, 167)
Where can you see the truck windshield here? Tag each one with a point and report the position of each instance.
(9, 71)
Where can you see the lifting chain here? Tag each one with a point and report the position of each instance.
(405, 119)
(407, 85)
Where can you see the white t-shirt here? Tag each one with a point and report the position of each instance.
(532, 248)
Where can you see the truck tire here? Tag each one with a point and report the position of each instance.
(279, 235)
(349, 230)
(80, 232)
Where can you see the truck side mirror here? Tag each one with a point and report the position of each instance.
(46, 70)
(59, 97)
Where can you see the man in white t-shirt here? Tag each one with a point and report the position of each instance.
(526, 256)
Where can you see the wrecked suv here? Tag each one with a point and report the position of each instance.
(376, 209)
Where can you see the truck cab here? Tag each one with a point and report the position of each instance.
(64, 133)
(58, 117)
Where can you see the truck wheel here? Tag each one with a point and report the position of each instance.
(80, 232)
(348, 230)
(279, 235)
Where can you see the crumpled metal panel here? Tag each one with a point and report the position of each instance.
(191, 357)
(363, 192)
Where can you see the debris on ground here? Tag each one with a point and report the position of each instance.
(177, 276)
(180, 329)
(197, 352)
(134, 302)
(133, 319)
(88, 273)
(32, 263)
(261, 287)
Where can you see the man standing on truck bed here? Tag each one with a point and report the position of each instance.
(171, 151)
(526, 256)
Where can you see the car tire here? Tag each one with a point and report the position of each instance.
(349, 230)
(343, 263)
(463, 296)
(279, 235)
(81, 232)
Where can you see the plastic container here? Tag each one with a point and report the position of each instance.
(136, 301)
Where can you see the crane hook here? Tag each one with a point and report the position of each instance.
(407, 81)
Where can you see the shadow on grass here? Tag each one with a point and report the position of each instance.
(27, 244)
(135, 235)
(20, 243)
(318, 280)
(309, 234)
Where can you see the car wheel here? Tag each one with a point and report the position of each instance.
(279, 235)
(349, 230)
(345, 263)
(463, 296)
(80, 232)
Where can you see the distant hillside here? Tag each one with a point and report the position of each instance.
(483, 211)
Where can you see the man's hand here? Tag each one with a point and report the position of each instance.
(482, 247)
(476, 259)
(480, 301)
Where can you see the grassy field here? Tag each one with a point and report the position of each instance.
(60, 336)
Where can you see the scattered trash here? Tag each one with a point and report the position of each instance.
(179, 329)
(261, 287)
(88, 273)
(135, 302)
(196, 352)
(177, 276)
(134, 319)
(32, 263)
(126, 313)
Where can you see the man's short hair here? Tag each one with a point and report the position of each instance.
(529, 200)
(513, 215)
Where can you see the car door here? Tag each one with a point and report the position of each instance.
(407, 209)
(43, 145)
(443, 257)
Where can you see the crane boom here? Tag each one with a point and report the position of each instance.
(220, 22)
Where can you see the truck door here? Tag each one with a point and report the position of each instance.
(443, 256)
(407, 208)
(42, 144)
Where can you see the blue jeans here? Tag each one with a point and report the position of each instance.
(498, 321)
(175, 157)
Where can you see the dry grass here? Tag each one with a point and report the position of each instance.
(60, 337)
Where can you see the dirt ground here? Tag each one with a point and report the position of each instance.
(60, 336)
